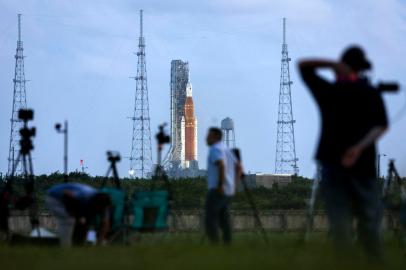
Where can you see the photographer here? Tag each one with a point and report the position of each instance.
(76, 207)
(353, 118)
(222, 171)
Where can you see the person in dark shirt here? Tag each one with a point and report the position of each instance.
(76, 206)
(353, 118)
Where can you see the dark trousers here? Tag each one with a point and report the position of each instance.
(217, 216)
(346, 197)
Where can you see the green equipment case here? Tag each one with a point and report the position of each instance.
(150, 210)
(117, 197)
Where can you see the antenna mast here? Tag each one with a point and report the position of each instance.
(286, 160)
(19, 102)
(141, 151)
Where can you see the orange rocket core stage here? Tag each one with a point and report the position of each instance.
(190, 128)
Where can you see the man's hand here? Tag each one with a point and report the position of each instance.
(351, 156)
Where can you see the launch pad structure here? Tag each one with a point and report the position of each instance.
(181, 160)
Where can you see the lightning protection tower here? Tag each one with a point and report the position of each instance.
(141, 152)
(286, 160)
(19, 102)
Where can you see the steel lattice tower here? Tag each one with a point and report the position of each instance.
(286, 160)
(19, 102)
(141, 152)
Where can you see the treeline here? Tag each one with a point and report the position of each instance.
(187, 193)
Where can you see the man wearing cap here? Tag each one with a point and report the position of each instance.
(353, 118)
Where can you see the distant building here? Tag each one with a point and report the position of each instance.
(267, 180)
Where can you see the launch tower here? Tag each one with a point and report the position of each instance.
(183, 152)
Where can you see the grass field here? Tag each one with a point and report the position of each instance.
(185, 251)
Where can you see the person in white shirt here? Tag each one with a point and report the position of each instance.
(222, 172)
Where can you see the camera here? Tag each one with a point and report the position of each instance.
(389, 87)
(26, 142)
(25, 115)
(161, 137)
(113, 156)
(28, 132)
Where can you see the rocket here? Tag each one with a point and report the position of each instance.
(190, 128)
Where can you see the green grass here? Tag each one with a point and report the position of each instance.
(185, 251)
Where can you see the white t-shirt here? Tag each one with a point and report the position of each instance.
(218, 152)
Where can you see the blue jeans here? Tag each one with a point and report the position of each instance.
(217, 215)
(347, 196)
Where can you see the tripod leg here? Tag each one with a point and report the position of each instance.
(26, 174)
(34, 216)
(107, 176)
(402, 214)
(115, 175)
(31, 166)
(6, 199)
(15, 165)
(386, 181)
(312, 201)
(255, 210)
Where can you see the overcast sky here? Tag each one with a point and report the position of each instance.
(80, 57)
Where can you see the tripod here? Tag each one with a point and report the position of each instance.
(250, 199)
(393, 176)
(24, 156)
(160, 173)
(254, 208)
(120, 212)
(312, 201)
(113, 158)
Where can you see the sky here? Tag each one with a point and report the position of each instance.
(80, 55)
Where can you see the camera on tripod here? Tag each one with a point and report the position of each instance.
(113, 156)
(26, 132)
(161, 136)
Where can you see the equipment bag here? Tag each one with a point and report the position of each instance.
(117, 197)
(150, 210)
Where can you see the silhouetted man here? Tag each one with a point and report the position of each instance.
(353, 118)
(221, 177)
(76, 207)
